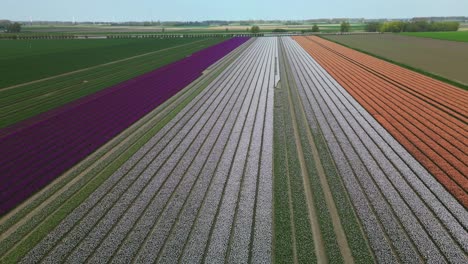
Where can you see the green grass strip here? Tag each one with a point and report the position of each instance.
(423, 72)
(324, 219)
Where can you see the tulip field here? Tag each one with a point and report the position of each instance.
(245, 150)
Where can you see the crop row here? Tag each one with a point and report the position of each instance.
(190, 193)
(406, 214)
(43, 150)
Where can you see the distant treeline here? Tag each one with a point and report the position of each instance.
(128, 36)
(9, 27)
(175, 23)
(413, 26)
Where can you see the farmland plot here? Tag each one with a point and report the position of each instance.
(406, 214)
(34, 155)
(192, 192)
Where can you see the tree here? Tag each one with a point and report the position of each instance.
(315, 28)
(13, 28)
(255, 29)
(393, 26)
(279, 30)
(345, 26)
(4, 24)
(373, 27)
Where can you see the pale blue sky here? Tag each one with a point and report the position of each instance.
(186, 10)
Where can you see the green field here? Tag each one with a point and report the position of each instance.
(25, 101)
(28, 60)
(454, 36)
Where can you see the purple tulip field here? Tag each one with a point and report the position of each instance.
(35, 154)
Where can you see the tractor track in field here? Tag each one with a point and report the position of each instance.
(402, 203)
(129, 215)
(310, 212)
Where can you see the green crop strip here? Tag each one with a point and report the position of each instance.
(325, 221)
(23, 102)
(44, 58)
(283, 235)
(435, 76)
(305, 245)
(36, 229)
